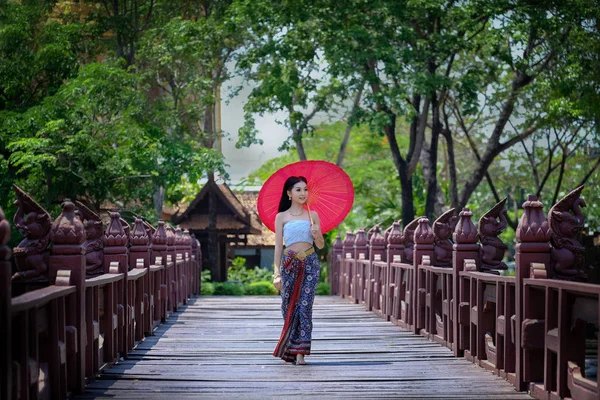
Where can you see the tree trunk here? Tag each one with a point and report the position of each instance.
(431, 156)
(408, 209)
(159, 199)
(300, 149)
(451, 168)
(344, 144)
(494, 147)
(402, 166)
(213, 242)
(212, 236)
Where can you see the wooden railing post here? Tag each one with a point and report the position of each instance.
(197, 256)
(465, 247)
(172, 269)
(139, 257)
(347, 265)
(115, 251)
(377, 271)
(5, 314)
(155, 281)
(533, 236)
(190, 267)
(67, 235)
(182, 274)
(159, 257)
(335, 262)
(361, 252)
(140, 244)
(423, 247)
(394, 254)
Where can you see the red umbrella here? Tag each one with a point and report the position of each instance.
(330, 192)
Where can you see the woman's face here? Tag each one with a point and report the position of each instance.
(299, 193)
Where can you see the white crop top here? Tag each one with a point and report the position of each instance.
(297, 230)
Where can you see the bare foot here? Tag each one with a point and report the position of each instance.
(300, 359)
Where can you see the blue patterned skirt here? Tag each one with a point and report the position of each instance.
(299, 279)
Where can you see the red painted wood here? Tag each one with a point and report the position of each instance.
(5, 311)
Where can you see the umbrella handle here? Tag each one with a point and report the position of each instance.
(310, 215)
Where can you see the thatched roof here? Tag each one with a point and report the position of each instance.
(232, 217)
(266, 238)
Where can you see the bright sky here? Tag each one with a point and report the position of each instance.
(244, 161)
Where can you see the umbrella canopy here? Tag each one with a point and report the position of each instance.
(330, 192)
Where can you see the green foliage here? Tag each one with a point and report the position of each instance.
(37, 54)
(371, 171)
(228, 289)
(205, 276)
(95, 139)
(491, 71)
(186, 58)
(207, 289)
(323, 289)
(324, 272)
(260, 289)
(238, 272)
(83, 116)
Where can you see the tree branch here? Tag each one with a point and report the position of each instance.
(349, 126)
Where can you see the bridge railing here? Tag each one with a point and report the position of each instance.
(537, 329)
(84, 296)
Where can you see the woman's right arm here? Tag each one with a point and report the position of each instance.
(278, 243)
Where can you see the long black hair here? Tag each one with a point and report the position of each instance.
(285, 201)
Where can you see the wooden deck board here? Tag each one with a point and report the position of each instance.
(220, 347)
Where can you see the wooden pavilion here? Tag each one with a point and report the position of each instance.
(227, 225)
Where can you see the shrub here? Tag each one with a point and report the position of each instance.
(324, 275)
(323, 288)
(207, 289)
(205, 275)
(238, 272)
(260, 289)
(228, 289)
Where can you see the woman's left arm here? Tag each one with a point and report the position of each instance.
(315, 229)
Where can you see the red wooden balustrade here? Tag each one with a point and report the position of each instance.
(5, 311)
(360, 266)
(376, 272)
(102, 292)
(347, 265)
(335, 273)
(529, 329)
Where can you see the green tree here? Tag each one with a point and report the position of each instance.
(436, 63)
(372, 173)
(79, 119)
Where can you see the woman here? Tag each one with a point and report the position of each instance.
(297, 270)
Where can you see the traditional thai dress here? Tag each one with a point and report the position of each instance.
(299, 278)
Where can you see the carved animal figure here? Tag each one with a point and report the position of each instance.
(492, 248)
(567, 256)
(31, 255)
(93, 245)
(442, 229)
(409, 240)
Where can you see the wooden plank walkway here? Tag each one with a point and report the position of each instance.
(220, 347)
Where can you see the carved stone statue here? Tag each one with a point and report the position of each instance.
(567, 256)
(31, 255)
(492, 248)
(93, 245)
(443, 227)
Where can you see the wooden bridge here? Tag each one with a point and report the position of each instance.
(114, 313)
(221, 347)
